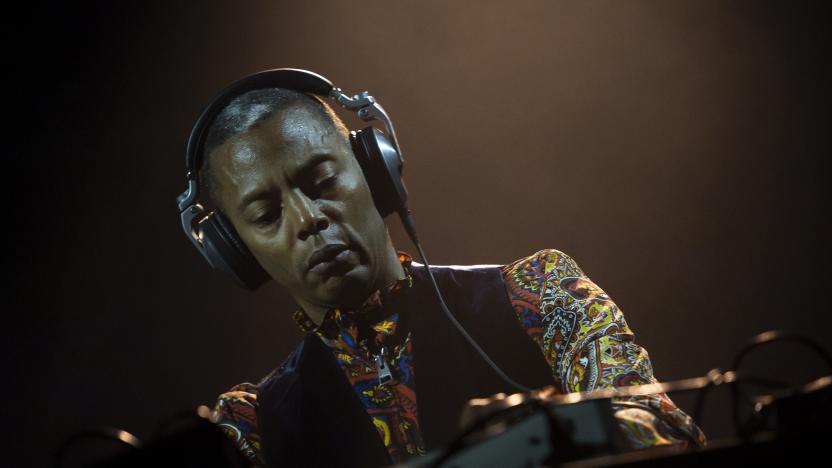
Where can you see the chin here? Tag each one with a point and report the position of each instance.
(348, 290)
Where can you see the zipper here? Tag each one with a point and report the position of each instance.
(385, 376)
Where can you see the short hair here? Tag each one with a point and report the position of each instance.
(247, 111)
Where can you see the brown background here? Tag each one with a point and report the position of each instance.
(677, 150)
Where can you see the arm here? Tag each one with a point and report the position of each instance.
(588, 345)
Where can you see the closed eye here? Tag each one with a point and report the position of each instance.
(327, 183)
(267, 217)
(323, 186)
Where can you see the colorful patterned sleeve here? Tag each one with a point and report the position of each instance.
(587, 343)
(235, 413)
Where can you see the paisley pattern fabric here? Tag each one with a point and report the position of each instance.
(588, 344)
(579, 329)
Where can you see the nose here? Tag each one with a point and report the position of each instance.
(309, 218)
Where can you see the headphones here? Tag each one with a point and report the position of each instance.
(377, 153)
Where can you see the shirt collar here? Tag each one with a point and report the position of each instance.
(371, 310)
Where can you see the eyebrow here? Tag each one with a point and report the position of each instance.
(303, 168)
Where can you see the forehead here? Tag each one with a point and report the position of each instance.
(276, 146)
(291, 130)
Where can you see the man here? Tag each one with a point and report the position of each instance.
(381, 375)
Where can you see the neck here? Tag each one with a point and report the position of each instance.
(390, 271)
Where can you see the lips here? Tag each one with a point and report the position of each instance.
(325, 254)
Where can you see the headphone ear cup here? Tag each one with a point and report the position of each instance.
(382, 167)
(225, 251)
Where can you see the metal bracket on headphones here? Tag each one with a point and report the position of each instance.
(188, 197)
(189, 210)
(367, 109)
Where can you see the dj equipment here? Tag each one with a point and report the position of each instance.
(544, 428)
(579, 429)
(377, 153)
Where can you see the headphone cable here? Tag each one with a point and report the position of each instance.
(407, 221)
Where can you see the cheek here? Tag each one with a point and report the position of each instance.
(358, 199)
(361, 214)
(273, 256)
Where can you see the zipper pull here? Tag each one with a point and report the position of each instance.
(384, 374)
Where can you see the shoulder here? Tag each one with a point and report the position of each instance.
(242, 398)
(237, 406)
(243, 394)
(527, 278)
(236, 409)
(530, 272)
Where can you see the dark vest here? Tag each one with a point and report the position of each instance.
(309, 414)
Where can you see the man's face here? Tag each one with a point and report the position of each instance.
(296, 196)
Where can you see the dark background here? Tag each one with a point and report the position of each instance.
(677, 150)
